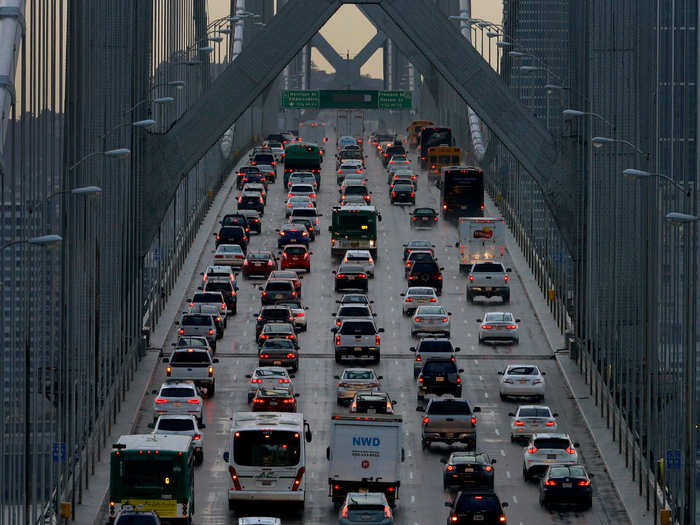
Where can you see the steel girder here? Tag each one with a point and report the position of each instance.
(347, 71)
(169, 157)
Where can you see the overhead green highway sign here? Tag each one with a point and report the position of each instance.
(347, 99)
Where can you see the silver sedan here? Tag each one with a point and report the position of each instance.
(431, 320)
(498, 326)
(417, 296)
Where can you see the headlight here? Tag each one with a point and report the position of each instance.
(371, 243)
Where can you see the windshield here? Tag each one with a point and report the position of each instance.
(267, 448)
(355, 222)
(358, 374)
(175, 425)
(190, 357)
(435, 346)
(177, 391)
(449, 407)
(552, 443)
(196, 320)
(225, 286)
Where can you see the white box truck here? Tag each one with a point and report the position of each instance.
(365, 455)
(480, 239)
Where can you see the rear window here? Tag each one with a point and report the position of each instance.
(477, 503)
(279, 286)
(276, 313)
(189, 357)
(420, 256)
(534, 412)
(495, 317)
(295, 250)
(356, 190)
(522, 371)
(232, 231)
(249, 169)
(358, 374)
(403, 187)
(303, 212)
(487, 267)
(223, 286)
(449, 407)
(206, 298)
(552, 443)
(278, 344)
(263, 158)
(425, 267)
(260, 256)
(563, 472)
(439, 367)
(176, 424)
(357, 328)
(231, 220)
(435, 346)
(136, 519)
(196, 320)
(302, 188)
(353, 311)
(175, 391)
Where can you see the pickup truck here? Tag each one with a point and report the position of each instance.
(489, 279)
(449, 420)
(199, 325)
(195, 364)
(357, 338)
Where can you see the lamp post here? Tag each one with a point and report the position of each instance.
(44, 241)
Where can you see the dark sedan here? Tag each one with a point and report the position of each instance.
(292, 234)
(468, 469)
(424, 218)
(424, 273)
(259, 264)
(566, 484)
(351, 277)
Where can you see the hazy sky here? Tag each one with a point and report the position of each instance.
(348, 30)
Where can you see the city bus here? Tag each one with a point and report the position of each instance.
(439, 156)
(267, 458)
(354, 228)
(313, 131)
(151, 472)
(462, 191)
(433, 136)
(302, 157)
(414, 130)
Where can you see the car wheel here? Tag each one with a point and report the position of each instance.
(413, 334)
(470, 297)
(234, 310)
(543, 501)
(415, 373)
(502, 396)
(338, 358)
(199, 456)
(506, 298)
(212, 389)
(377, 358)
(425, 444)
(526, 474)
(250, 398)
(481, 341)
(438, 292)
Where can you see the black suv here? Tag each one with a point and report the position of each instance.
(232, 235)
(227, 289)
(403, 193)
(251, 200)
(247, 174)
(236, 219)
(272, 314)
(426, 273)
(396, 149)
(253, 218)
(476, 506)
(439, 376)
(278, 291)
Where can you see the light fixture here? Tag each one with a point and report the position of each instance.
(148, 123)
(119, 153)
(678, 218)
(163, 100)
(86, 190)
(45, 240)
(206, 49)
(179, 84)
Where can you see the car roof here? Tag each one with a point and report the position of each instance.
(178, 382)
(550, 435)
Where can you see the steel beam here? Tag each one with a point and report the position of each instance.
(168, 157)
(482, 89)
(327, 51)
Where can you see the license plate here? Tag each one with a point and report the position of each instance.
(478, 517)
(551, 456)
(278, 296)
(350, 277)
(357, 349)
(363, 490)
(488, 289)
(566, 485)
(426, 219)
(468, 470)
(178, 404)
(522, 381)
(450, 434)
(464, 208)
(277, 362)
(267, 483)
(439, 379)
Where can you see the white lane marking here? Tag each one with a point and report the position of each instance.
(413, 499)
(498, 432)
(481, 378)
(476, 361)
(245, 333)
(486, 395)
(515, 499)
(503, 453)
(508, 474)
(408, 452)
(410, 475)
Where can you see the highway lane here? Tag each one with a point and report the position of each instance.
(421, 498)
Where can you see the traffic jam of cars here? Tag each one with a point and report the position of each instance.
(265, 457)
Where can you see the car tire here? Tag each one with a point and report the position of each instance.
(212, 389)
(481, 341)
(543, 501)
(234, 310)
(502, 396)
(413, 334)
(526, 474)
(470, 297)
(338, 358)
(250, 398)
(199, 456)
(377, 358)
(506, 298)
(425, 444)
(231, 505)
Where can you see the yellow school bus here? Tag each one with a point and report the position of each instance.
(414, 130)
(440, 156)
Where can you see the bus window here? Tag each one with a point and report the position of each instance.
(265, 448)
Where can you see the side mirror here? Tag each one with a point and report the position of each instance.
(248, 376)
(591, 475)
(448, 504)
(188, 300)
(151, 425)
(166, 360)
(260, 288)
(235, 288)
(517, 320)
(404, 245)
(277, 230)
(576, 444)
(334, 272)
(443, 461)
(319, 215)
(543, 373)
(457, 244)
(394, 402)
(374, 315)
(420, 409)
(511, 414)
(177, 322)
(458, 349)
(371, 302)
(226, 457)
(500, 372)
(202, 426)
(380, 331)
(402, 295)
(449, 313)
(214, 234)
(201, 273)
(328, 453)
(493, 461)
(441, 268)
(215, 360)
(336, 377)
(476, 409)
(154, 391)
(555, 415)
(291, 376)
(508, 270)
(460, 370)
(330, 229)
(311, 253)
(380, 377)
(200, 288)
(504, 504)
(479, 321)
(334, 329)
(296, 395)
(334, 314)
(379, 218)
(255, 315)
(306, 308)
(412, 349)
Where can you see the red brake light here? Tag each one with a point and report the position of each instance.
(161, 400)
(471, 277)
(571, 450)
(486, 326)
(550, 483)
(550, 423)
(505, 278)
(454, 518)
(532, 450)
(337, 339)
(450, 468)
(376, 340)
(473, 418)
(419, 319)
(426, 420)
(211, 371)
(584, 483)
(519, 423)
(194, 401)
(168, 370)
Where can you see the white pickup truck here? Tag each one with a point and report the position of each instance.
(365, 455)
(480, 239)
(357, 338)
(195, 364)
(488, 279)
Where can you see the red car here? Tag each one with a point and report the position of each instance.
(296, 256)
(259, 264)
(274, 400)
(291, 275)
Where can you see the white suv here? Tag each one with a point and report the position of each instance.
(182, 426)
(544, 450)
